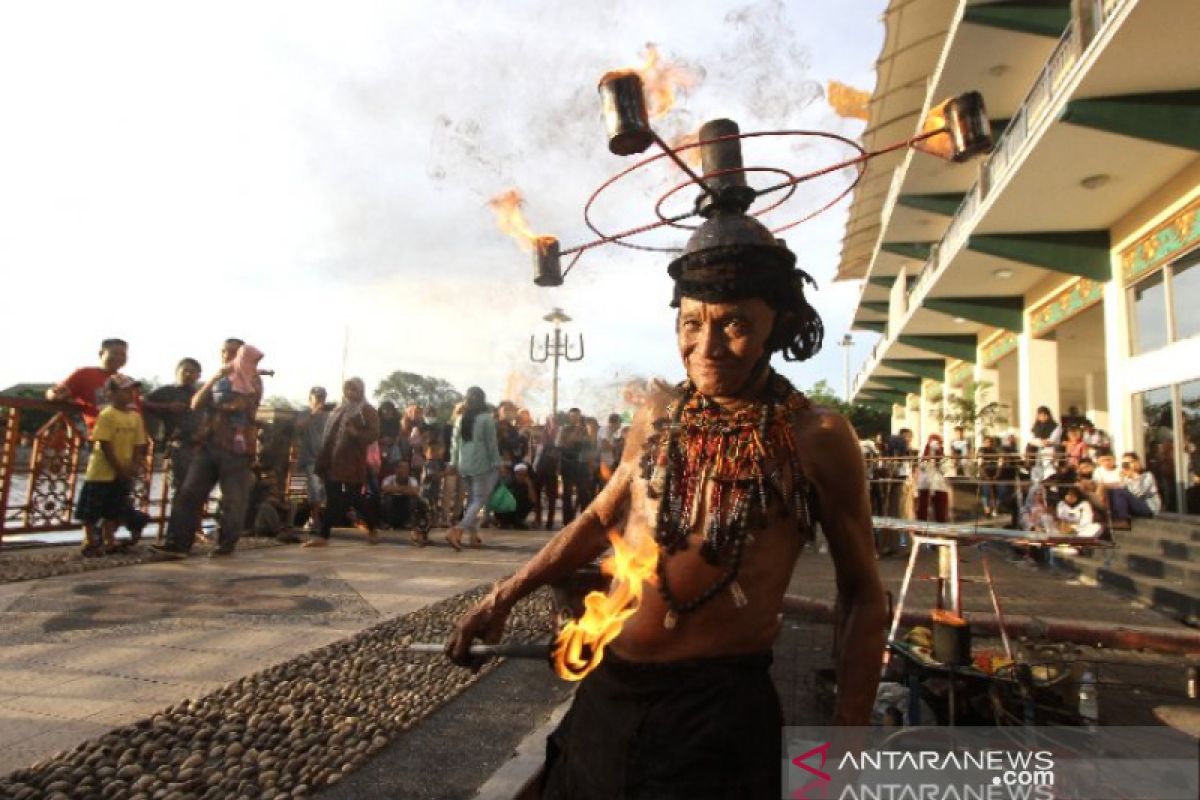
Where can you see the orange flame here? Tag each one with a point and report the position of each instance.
(847, 101)
(663, 81)
(511, 220)
(940, 145)
(580, 645)
(691, 156)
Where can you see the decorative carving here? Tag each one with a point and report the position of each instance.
(1170, 238)
(51, 492)
(1076, 296)
(997, 347)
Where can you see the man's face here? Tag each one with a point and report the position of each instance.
(187, 375)
(316, 402)
(402, 471)
(351, 392)
(112, 358)
(121, 398)
(574, 417)
(721, 343)
(228, 351)
(1108, 462)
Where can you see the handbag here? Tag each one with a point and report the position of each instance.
(502, 500)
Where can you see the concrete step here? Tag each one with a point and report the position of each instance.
(1159, 547)
(1169, 526)
(1151, 562)
(1173, 597)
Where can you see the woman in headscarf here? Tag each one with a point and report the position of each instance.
(475, 455)
(352, 427)
(932, 486)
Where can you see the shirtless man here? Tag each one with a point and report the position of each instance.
(682, 703)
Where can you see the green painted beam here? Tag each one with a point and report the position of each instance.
(932, 368)
(916, 250)
(1084, 253)
(881, 308)
(960, 347)
(999, 126)
(884, 396)
(1046, 18)
(886, 281)
(944, 204)
(999, 312)
(906, 385)
(878, 327)
(1167, 117)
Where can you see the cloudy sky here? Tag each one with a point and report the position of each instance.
(314, 177)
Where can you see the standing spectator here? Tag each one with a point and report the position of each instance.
(1046, 432)
(932, 487)
(120, 444)
(1136, 496)
(342, 463)
(989, 473)
(611, 444)
(87, 386)
(572, 442)
(960, 449)
(432, 475)
(547, 466)
(224, 457)
(389, 435)
(512, 445)
(475, 456)
(894, 471)
(310, 432)
(172, 405)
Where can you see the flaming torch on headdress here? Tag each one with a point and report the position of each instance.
(511, 220)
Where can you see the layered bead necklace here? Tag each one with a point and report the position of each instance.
(705, 444)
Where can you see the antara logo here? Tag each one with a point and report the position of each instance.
(821, 779)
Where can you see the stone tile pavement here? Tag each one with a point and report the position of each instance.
(81, 654)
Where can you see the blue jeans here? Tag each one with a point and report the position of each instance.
(479, 489)
(1124, 504)
(988, 495)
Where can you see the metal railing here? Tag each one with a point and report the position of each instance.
(1043, 97)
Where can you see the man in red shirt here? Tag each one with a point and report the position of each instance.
(86, 385)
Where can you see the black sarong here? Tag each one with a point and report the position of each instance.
(702, 729)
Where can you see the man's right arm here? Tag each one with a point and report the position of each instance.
(64, 390)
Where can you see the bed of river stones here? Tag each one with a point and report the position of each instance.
(34, 563)
(283, 732)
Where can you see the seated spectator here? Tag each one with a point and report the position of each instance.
(989, 473)
(271, 511)
(1076, 448)
(520, 484)
(1137, 496)
(400, 492)
(1074, 515)
(960, 450)
(1097, 440)
(1046, 432)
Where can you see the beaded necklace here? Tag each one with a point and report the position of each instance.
(702, 444)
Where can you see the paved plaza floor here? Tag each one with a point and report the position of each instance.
(81, 654)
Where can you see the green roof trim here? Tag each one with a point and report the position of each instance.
(1171, 118)
(915, 250)
(1083, 253)
(932, 368)
(998, 312)
(944, 204)
(961, 347)
(1046, 18)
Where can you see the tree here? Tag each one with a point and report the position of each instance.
(409, 388)
(867, 420)
(279, 401)
(968, 408)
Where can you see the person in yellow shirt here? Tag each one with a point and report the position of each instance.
(119, 444)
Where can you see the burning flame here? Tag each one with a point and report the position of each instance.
(691, 156)
(581, 642)
(663, 80)
(847, 101)
(511, 220)
(940, 145)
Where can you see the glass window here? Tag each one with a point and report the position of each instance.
(1158, 441)
(1185, 295)
(1149, 304)
(1189, 394)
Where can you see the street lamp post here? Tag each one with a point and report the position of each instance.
(846, 343)
(560, 348)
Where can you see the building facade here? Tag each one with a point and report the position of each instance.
(1063, 269)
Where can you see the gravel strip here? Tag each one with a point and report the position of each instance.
(285, 731)
(31, 564)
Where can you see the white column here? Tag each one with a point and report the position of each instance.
(986, 395)
(912, 411)
(1116, 360)
(949, 393)
(1038, 369)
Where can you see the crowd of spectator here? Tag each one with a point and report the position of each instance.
(1064, 481)
(472, 466)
